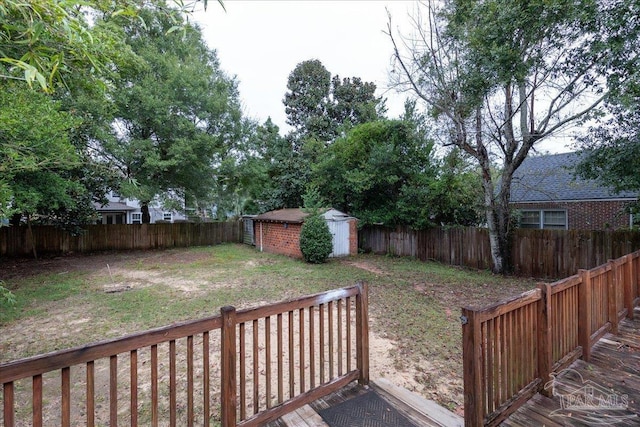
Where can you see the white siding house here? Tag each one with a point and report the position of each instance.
(120, 210)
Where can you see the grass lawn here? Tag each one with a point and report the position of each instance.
(414, 306)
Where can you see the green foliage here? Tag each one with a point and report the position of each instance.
(315, 239)
(178, 117)
(611, 148)
(36, 153)
(320, 106)
(7, 298)
(500, 76)
(46, 41)
(376, 171)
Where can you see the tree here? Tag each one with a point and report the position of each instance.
(36, 154)
(611, 148)
(306, 101)
(500, 76)
(176, 117)
(319, 106)
(45, 40)
(374, 168)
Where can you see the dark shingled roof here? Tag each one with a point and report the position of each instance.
(283, 215)
(551, 178)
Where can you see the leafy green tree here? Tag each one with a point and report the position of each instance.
(373, 168)
(315, 239)
(306, 101)
(36, 154)
(319, 106)
(500, 76)
(611, 148)
(44, 41)
(175, 118)
(353, 102)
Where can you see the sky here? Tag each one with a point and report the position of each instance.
(261, 42)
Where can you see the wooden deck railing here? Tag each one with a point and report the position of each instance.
(510, 349)
(254, 365)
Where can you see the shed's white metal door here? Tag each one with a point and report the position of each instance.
(340, 237)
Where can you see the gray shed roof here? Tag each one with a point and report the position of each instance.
(551, 178)
(283, 215)
(297, 215)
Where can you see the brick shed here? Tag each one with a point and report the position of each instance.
(279, 232)
(548, 194)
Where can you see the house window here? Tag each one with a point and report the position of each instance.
(167, 216)
(115, 194)
(548, 219)
(136, 218)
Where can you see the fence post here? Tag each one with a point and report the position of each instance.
(628, 285)
(584, 314)
(545, 349)
(472, 370)
(228, 367)
(362, 334)
(612, 296)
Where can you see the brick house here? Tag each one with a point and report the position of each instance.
(547, 194)
(279, 232)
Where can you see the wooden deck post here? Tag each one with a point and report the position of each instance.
(612, 296)
(362, 334)
(472, 370)
(628, 285)
(7, 396)
(584, 314)
(228, 367)
(545, 349)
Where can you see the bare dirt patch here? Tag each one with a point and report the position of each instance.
(431, 368)
(363, 265)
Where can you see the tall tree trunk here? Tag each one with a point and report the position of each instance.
(146, 216)
(33, 239)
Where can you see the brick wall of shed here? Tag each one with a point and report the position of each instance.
(588, 215)
(278, 239)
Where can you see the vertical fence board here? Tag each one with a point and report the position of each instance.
(16, 241)
(550, 254)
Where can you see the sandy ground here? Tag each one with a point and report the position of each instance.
(21, 338)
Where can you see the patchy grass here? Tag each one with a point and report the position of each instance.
(82, 299)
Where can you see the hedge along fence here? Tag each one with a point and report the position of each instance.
(535, 253)
(19, 241)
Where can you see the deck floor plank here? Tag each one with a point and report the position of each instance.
(420, 411)
(612, 376)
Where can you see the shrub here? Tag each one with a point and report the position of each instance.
(315, 239)
(7, 298)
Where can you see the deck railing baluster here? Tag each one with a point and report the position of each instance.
(37, 400)
(173, 370)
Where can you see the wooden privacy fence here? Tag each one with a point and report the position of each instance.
(254, 365)
(510, 349)
(19, 241)
(534, 253)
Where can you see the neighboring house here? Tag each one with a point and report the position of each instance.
(547, 194)
(279, 232)
(126, 211)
